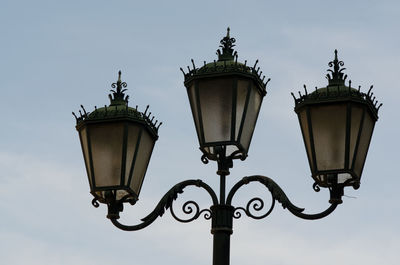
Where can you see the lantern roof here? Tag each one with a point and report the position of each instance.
(118, 110)
(227, 64)
(337, 91)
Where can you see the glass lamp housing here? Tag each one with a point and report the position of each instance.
(225, 98)
(117, 142)
(337, 123)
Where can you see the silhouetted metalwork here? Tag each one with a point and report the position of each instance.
(336, 121)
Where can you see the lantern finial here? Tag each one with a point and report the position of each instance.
(227, 44)
(336, 77)
(118, 97)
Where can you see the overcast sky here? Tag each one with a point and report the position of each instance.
(57, 55)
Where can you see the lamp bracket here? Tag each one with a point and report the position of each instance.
(192, 208)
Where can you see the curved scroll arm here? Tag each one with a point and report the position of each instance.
(279, 195)
(166, 203)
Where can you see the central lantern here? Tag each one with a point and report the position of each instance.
(225, 97)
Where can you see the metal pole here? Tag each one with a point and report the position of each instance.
(221, 228)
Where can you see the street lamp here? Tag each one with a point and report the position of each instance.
(117, 142)
(225, 96)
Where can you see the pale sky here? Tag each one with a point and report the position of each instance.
(57, 55)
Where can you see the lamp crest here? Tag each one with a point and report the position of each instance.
(118, 97)
(227, 44)
(336, 77)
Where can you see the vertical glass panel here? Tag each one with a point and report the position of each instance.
(106, 142)
(305, 129)
(132, 139)
(365, 138)
(194, 106)
(121, 194)
(343, 177)
(230, 149)
(85, 150)
(356, 116)
(329, 132)
(243, 89)
(142, 160)
(252, 111)
(216, 108)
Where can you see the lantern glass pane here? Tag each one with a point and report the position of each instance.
(343, 177)
(243, 89)
(84, 144)
(132, 141)
(365, 138)
(142, 160)
(356, 116)
(216, 109)
(106, 142)
(194, 106)
(329, 132)
(306, 136)
(253, 109)
(121, 194)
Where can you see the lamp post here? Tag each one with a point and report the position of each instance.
(225, 96)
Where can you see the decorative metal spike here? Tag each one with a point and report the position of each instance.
(263, 78)
(80, 112)
(305, 89)
(293, 96)
(350, 83)
(147, 107)
(370, 90)
(359, 88)
(269, 79)
(152, 119)
(73, 113)
(204, 63)
(380, 105)
(182, 71)
(84, 110)
(255, 64)
(245, 62)
(194, 67)
(188, 69)
(159, 125)
(299, 93)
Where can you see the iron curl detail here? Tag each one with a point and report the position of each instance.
(277, 194)
(191, 207)
(95, 203)
(204, 159)
(316, 187)
(166, 203)
(256, 204)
